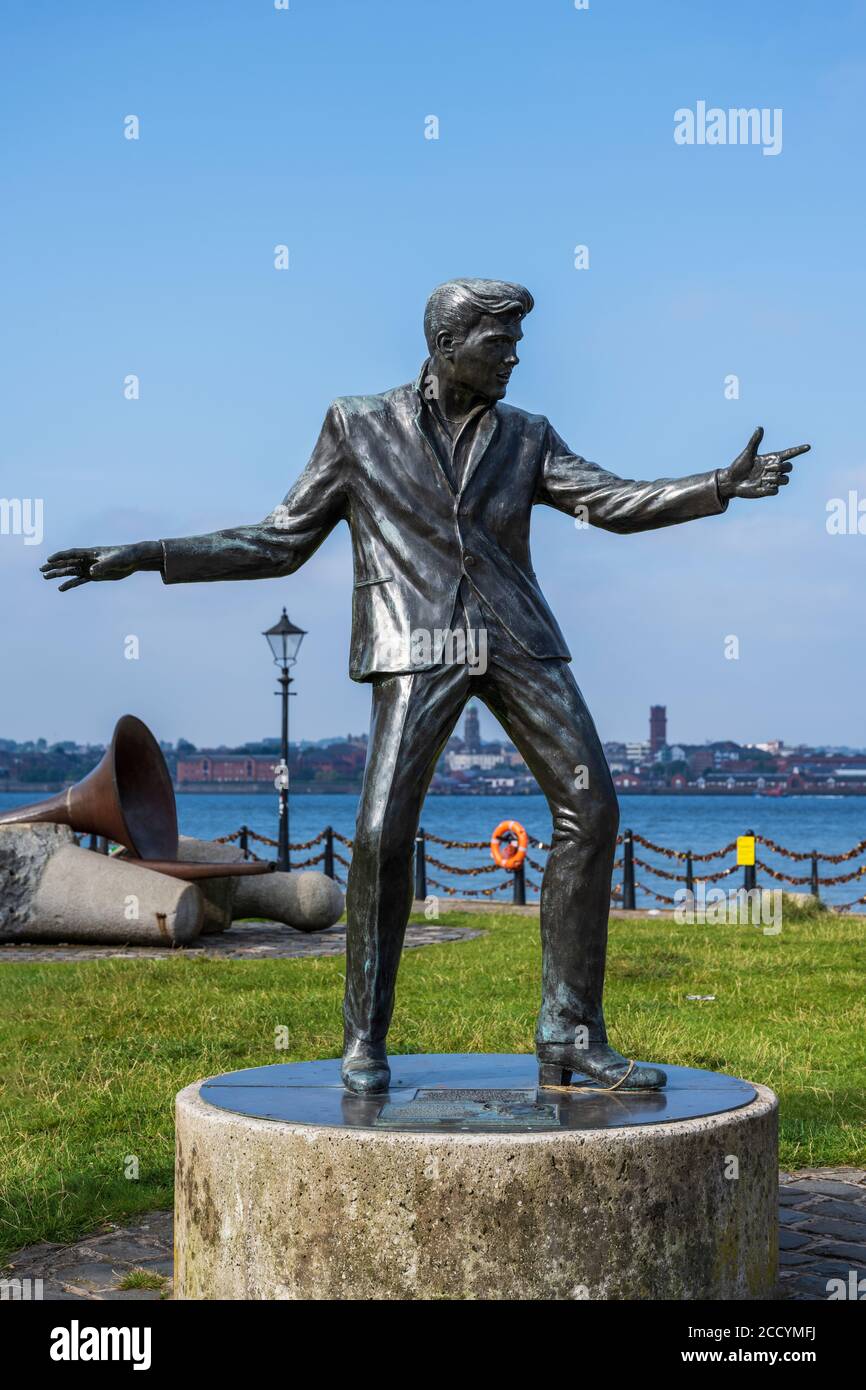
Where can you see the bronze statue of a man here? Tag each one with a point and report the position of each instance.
(437, 480)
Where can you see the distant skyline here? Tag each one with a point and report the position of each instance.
(306, 128)
(491, 732)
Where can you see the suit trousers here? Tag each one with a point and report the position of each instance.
(542, 711)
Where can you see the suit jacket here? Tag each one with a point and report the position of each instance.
(414, 536)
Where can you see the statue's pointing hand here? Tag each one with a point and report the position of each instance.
(101, 562)
(758, 475)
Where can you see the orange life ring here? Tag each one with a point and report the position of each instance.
(516, 857)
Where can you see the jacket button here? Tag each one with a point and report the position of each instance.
(469, 559)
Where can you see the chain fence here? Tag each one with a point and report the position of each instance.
(624, 893)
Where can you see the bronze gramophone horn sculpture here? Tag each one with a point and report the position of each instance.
(129, 798)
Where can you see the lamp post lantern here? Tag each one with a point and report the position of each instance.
(284, 640)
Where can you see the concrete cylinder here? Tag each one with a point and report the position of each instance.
(303, 899)
(272, 1210)
(218, 894)
(50, 890)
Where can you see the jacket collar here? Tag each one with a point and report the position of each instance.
(484, 431)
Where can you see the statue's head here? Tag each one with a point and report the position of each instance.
(472, 329)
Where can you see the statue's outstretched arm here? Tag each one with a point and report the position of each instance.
(574, 485)
(278, 545)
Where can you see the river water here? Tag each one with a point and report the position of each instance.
(803, 823)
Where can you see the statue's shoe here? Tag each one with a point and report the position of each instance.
(558, 1061)
(365, 1069)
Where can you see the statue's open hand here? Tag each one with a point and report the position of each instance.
(758, 475)
(100, 562)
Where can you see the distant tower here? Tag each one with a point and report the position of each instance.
(472, 731)
(658, 728)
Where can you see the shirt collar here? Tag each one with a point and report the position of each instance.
(431, 403)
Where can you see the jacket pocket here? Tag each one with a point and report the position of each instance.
(380, 579)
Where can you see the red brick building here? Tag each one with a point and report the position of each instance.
(225, 767)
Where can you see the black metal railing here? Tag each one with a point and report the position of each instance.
(624, 892)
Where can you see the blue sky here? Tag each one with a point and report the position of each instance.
(306, 127)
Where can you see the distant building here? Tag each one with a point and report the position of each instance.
(725, 752)
(625, 780)
(658, 728)
(460, 762)
(224, 767)
(472, 731)
(637, 752)
(463, 755)
(512, 758)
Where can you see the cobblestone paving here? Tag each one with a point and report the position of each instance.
(822, 1236)
(822, 1231)
(253, 941)
(97, 1267)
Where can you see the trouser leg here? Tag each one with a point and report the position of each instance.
(412, 719)
(542, 710)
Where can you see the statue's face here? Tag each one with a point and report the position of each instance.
(484, 360)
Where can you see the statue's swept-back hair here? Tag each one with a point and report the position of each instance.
(457, 304)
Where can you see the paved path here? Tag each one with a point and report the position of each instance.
(822, 1235)
(96, 1268)
(822, 1230)
(243, 941)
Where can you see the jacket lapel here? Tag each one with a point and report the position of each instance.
(480, 444)
(420, 417)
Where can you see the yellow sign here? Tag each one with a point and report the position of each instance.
(745, 849)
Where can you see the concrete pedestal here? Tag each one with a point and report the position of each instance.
(468, 1182)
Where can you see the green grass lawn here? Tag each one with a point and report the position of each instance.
(93, 1053)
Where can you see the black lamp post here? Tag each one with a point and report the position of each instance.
(284, 640)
